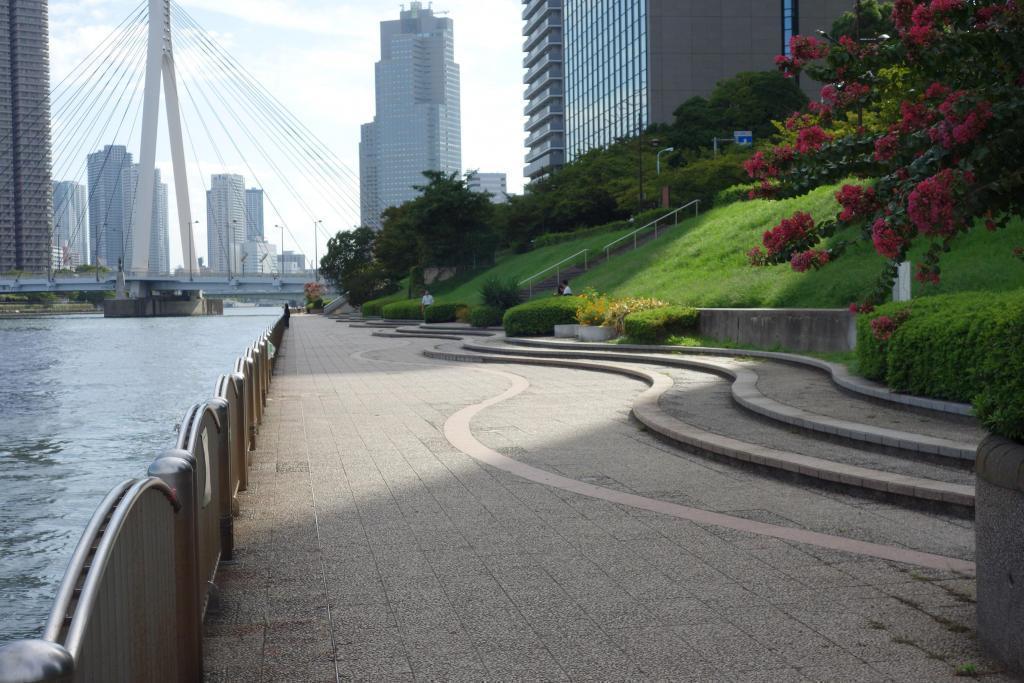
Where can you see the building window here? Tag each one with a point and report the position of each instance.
(790, 23)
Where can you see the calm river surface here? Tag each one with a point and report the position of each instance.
(86, 403)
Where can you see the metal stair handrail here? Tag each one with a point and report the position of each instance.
(557, 268)
(695, 203)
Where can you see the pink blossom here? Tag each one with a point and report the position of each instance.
(812, 258)
(811, 139)
(856, 201)
(888, 242)
(789, 231)
(886, 147)
(931, 205)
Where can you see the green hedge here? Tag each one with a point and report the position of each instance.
(656, 325)
(403, 310)
(485, 316)
(539, 317)
(372, 308)
(735, 193)
(961, 347)
(442, 313)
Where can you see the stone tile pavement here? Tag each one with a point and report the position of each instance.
(369, 548)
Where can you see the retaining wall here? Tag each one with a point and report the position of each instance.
(822, 330)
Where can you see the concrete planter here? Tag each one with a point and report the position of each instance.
(592, 333)
(567, 331)
(999, 538)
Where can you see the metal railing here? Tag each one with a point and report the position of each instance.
(557, 268)
(132, 602)
(636, 233)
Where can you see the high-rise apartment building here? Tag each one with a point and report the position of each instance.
(627, 64)
(159, 241)
(106, 169)
(71, 223)
(254, 229)
(26, 210)
(545, 106)
(494, 184)
(225, 223)
(417, 124)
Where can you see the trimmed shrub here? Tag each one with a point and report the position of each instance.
(539, 317)
(372, 308)
(463, 313)
(735, 193)
(654, 326)
(485, 316)
(403, 310)
(501, 294)
(961, 347)
(442, 313)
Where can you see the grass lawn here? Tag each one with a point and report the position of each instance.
(703, 263)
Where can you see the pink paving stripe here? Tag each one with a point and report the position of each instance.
(457, 431)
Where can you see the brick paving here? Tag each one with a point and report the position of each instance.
(370, 548)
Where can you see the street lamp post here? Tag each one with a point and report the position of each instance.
(280, 271)
(658, 157)
(316, 252)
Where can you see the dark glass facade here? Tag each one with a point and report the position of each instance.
(790, 22)
(606, 72)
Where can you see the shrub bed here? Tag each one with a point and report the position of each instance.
(372, 308)
(539, 317)
(485, 316)
(654, 326)
(441, 313)
(961, 347)
(403, 310)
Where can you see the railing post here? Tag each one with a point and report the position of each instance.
(226, 480)
(177, 469)
(634, 240)
(239, 431)
(586, 266)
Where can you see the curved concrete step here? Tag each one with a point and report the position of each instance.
(647, 410)
(745, 393)
(839, 374)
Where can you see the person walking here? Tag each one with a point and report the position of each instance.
(287, 315)
(425, 301)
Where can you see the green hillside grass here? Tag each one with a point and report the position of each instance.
(466, 289)
(703, 263)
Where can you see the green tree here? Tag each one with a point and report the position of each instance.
(451, 223)
(395, 249)
(875, 19)
(347, 252)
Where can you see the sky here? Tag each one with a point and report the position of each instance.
(317, 58)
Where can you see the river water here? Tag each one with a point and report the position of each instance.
(84, 404)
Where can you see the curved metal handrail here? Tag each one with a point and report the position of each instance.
(94, 577)
(59, 614)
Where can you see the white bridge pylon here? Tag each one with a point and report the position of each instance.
(160, 63)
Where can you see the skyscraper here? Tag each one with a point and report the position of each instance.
(545, 129)
(26, 210)
(494, 184)
(631, 63)
(417, 126)
(254, 214)
(225, 222)
(106, 170)
(71, 223)
(159, 242)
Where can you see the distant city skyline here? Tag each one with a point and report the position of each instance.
(321, 70)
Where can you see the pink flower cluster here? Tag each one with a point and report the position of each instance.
(883, 327)
(960, 127)
(926, 274)
(931, 205)
(888, 242)
(811, 139)
(857, 202)
(812, 258)
(849, 93)
(790, 230)
(758, 167)
(861, 308)
(802, 49)
(886, 147)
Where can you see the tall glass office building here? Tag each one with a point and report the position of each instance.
(606, 69)
(631, 63)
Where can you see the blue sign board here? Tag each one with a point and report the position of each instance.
(743, 137)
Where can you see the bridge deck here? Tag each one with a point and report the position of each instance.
(370, 547)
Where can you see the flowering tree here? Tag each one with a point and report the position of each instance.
(314, 291)
(931, 119)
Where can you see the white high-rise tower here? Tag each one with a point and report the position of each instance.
(225, 222)
(417, 126)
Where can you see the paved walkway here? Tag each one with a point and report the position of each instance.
(372, 548)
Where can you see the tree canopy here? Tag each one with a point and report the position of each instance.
(930, 121)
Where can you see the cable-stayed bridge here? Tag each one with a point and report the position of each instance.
(161, 60)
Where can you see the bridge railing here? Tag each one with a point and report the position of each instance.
(132, 602)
